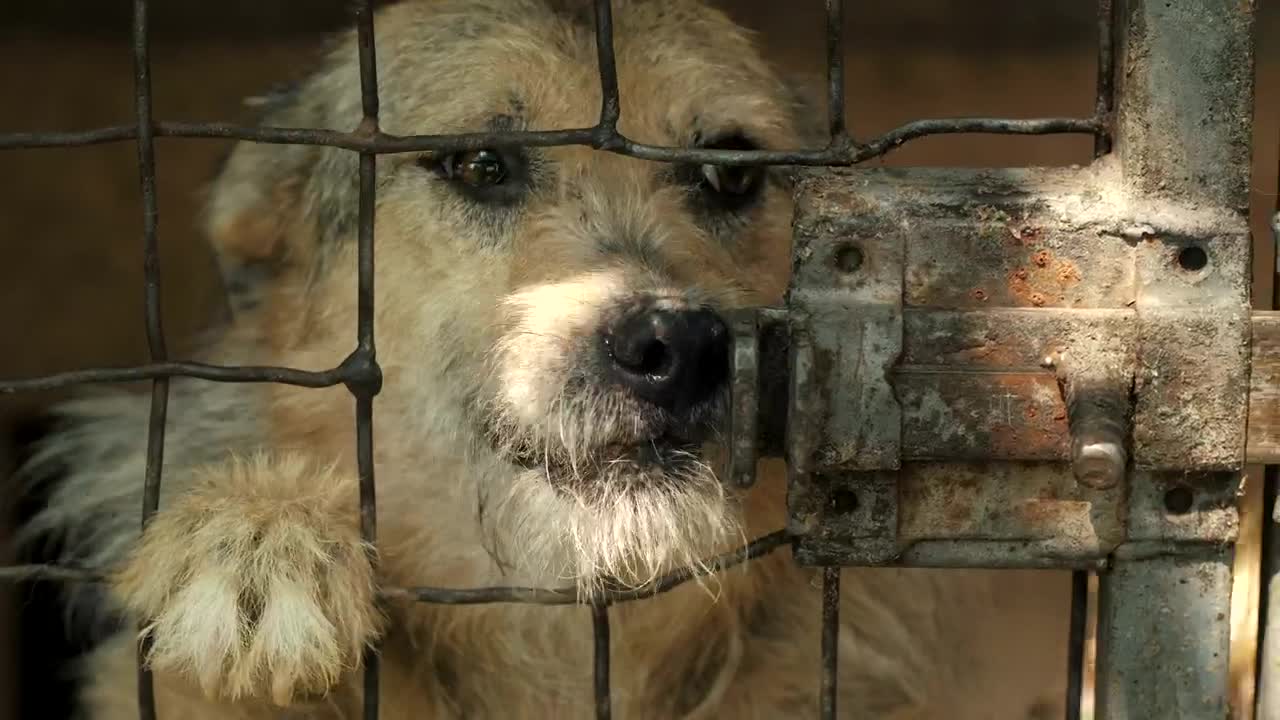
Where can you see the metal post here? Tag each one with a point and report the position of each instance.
(1183, 126)
(1164, 635)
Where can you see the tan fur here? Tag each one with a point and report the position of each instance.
(252, 579)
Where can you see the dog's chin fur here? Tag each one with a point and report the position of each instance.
(629, 527)
(619, 515)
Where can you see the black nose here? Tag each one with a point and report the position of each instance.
(673, 359)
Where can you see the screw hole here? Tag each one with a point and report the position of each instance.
(843, 502)
(849, 258)
(1178, 500)
(1193, 258)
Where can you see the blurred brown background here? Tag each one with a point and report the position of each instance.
(70, 220)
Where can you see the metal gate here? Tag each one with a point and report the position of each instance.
(1044, 368)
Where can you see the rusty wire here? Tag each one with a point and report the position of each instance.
(155, 325)
(360, 372)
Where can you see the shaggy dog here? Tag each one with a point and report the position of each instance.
(551, 328)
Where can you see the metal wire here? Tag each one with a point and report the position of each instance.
(360, 372)
(600, 676)
(367, 380)
(835, 73)
(215, 373)
(387, 144)
(154, 319)
(1105, 100)
(1076, 641)
(830, 642)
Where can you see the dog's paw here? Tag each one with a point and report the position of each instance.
(256, 584)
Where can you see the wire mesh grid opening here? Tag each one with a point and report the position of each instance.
(360, 372)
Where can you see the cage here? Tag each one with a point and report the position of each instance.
(71, 66)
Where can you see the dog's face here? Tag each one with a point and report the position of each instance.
(558, 312)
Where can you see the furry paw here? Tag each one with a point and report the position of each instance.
(256, 584)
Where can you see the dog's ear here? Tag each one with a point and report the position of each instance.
(255, 215)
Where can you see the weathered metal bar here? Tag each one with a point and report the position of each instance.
(1184, 100)
(1105, 99)
(367, 376)
(154, 318)
(835, 72)
(600, 677)
(744, 413)
(1263, 442)
(830, 673)
(383, 143)
(1163, 637)
(1182, 136)
(1075, 643)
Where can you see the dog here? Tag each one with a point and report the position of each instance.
(551, 329)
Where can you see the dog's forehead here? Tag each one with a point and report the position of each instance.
(682, 70)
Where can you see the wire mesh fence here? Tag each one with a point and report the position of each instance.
(360, 372)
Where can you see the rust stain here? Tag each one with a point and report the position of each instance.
(957, 513)
(1019, 284)
(1016, 423)
(1043, 280)
(1025, 234)
(947, 508)
(1044, 513)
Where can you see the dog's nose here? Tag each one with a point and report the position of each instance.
(671, 358)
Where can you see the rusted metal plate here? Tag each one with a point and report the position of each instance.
(977, 384)
(1019, 255)
(992, 325)
(847, 287)
(1014, 338)
(1181, 507)
(854, 350)
(1014, 501)
(846, 518)
(963, 514)
(1263, 444)
(959, 415)
(1194, 327)
(990, 238)
(1203, 261)
(1191, 390)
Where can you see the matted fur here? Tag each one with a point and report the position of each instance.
(502, 456)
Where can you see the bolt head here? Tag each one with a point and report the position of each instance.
(1099, 465)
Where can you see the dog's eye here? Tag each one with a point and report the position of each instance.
(476, 168)
(732, 181)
